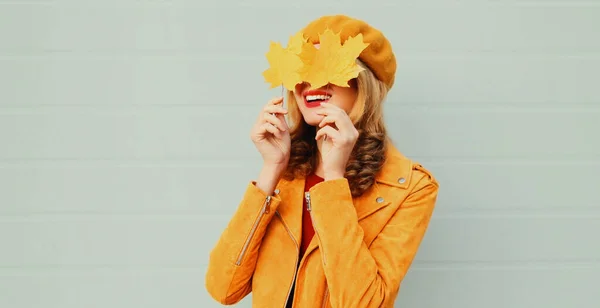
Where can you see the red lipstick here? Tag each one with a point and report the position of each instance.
(314, 98)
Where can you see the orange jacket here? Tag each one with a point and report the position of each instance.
(359, 255)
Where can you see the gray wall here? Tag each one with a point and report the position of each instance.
(122, 157)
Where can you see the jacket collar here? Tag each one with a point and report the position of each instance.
(397, 169)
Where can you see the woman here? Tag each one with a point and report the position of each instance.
(337, 213)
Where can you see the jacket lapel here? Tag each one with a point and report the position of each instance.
(290, 209)
(370, 202)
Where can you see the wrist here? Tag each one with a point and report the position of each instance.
(335, 175)
(269, 177)
(275, 169)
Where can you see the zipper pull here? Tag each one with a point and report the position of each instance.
(307, 197)
(267, 204)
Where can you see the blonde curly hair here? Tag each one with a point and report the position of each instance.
(368, 154)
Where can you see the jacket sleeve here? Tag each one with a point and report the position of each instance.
(232, 261)
(361, 276)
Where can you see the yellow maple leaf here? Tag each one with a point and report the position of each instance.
(332, 62)
(296, 43)
(285, 63)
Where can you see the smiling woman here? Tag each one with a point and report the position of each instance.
(337, 213)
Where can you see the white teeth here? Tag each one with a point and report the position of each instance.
(310, 98)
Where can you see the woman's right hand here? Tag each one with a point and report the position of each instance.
(271, 135)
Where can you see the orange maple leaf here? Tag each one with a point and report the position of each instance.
(285, 63)
(332, 62)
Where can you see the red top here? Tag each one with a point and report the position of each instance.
(307, 228)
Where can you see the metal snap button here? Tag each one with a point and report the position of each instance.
(401, 180)
(379, 199)
(276, 191)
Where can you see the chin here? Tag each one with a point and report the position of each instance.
(310, 101)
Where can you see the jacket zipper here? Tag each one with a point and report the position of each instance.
(309, 209)
(265, 209)
(325, 297)
(297, 255)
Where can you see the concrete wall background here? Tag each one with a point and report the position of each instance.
(121, 155)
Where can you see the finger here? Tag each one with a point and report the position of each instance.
(331, 107)
(275, 101)
(282, 119)
(339, 120)
(329, 132)
(272, 129)
(329, 119)
(338, 115)
(278, 101)
(273, 120)
(275, 109)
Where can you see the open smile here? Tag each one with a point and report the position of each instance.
(314, 98)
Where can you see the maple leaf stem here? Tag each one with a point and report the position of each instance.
(283, 100)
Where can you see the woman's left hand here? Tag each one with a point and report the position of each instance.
(341, 138)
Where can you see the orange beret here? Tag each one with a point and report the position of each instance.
(378, 56)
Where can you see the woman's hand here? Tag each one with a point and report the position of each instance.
(271, 135)
(341, 138)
